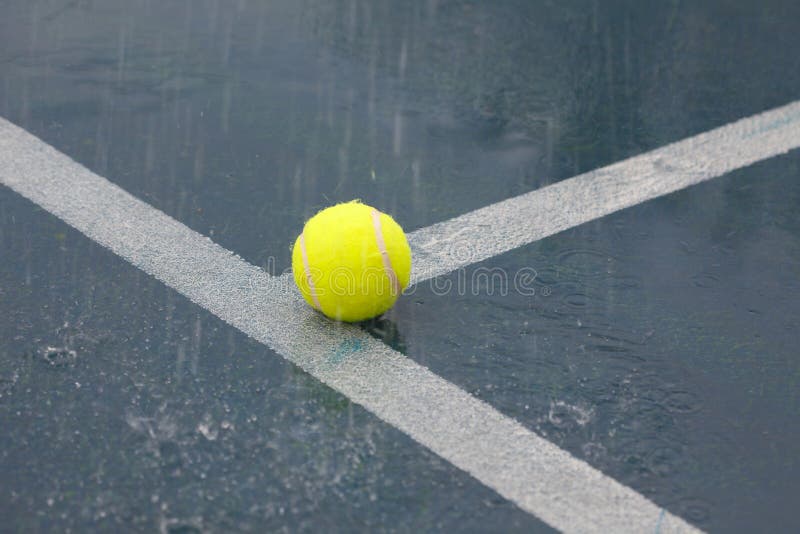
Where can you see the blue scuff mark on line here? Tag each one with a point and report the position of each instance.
(775, 124)
(658, 523)
(345, 349)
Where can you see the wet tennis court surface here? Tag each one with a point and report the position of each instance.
(615, 346)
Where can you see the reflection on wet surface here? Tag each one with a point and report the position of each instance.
(658, 343)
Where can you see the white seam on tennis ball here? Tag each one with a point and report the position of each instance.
(387, 262)
(307, 270)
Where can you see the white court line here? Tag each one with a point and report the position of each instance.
(539, 477)
(497, 228)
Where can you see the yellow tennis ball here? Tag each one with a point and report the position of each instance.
(351, 262)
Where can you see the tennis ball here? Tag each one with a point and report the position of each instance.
(351, 262)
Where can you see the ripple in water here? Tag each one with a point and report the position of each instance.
(576, 300)
(652, 456)
(625, 282)
(562, 414)
(663, 460)
(705, 280)
(59, 356)
(586, 263)
(694, 509)
(181, 526)
(682, 402)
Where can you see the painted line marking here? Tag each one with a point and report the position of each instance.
(660, 519)
(484, 233)
(542, 479)
(539, 477)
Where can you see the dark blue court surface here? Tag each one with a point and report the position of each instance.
(659, 344)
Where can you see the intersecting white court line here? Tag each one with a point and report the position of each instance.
(541, 478)
(481, 234)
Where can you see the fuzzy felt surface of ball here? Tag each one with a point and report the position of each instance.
(351, 262)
